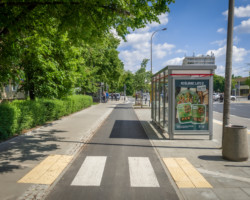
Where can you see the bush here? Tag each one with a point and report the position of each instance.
(25, 114)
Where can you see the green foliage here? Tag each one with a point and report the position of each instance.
(142, 77)
(247, 82)
(59, 45)
(20, 115)
(219, 82)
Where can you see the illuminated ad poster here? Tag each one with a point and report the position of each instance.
(191, 104)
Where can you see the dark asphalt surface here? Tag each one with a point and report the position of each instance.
(238, 109)
(121, 136)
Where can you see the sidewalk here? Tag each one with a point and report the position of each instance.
(62, 137)
(229, 180)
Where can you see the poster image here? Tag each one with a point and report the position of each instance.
(191, 104)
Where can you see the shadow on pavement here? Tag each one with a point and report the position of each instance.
(128, 129)
(27, 147)
(150, 146)
(211, 158)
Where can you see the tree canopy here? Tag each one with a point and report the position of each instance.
(55, 46)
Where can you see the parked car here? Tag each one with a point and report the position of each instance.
(233, 98)
(216, 96)
(118, 96)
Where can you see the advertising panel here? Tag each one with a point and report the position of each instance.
(191, 104)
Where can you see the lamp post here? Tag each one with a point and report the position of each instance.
(151, 45)
(151, 61)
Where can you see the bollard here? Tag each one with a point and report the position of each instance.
(235, 143)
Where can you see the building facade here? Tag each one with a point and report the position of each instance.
(199, 60)
(10, 92)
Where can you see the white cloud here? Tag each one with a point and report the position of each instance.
(161, 50)
(163, 21)
(181, 51)
(174, 61)
(240, 11)
(244, 27)
(238, 54)
(138, 46)
(221, 30)
(132, 59)
(220, 70)
(219, 42)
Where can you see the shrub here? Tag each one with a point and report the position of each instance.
(24, 114)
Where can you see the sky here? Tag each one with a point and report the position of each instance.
(194, 27)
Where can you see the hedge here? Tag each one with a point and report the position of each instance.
(25, 114)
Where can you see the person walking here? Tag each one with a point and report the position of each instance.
(107, 96)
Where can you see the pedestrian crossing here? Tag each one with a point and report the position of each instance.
(91, 171)
(141, 172)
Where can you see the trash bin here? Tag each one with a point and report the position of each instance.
(235, 143)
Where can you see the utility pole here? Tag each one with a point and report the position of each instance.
(228, 70)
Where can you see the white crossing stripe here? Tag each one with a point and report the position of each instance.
(91, 171)
(141, 172)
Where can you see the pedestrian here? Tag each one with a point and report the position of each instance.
(146, 99)
(112, 96)
(107, 96)
(115, 97)
(221, 97)
(103, 97)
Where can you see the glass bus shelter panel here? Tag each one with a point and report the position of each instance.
(161, 100)
(192, 104)
(153, 97)
(166, 101)
(157, 94)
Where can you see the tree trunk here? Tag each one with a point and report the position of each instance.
(228, 70)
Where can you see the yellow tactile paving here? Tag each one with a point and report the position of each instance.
(178, 174)
(197, 179)
(184, 174)
(48, 170)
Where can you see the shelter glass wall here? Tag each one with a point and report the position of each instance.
(157, 94)
(159, 98)
(166, 99)
(152, 98)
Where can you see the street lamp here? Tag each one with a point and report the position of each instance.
(151, 45)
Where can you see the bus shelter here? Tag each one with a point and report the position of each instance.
(182, 100)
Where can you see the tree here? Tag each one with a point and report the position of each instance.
(40, 41)
(142, 77)
(127, 79)
(219, 82)
(228, 71)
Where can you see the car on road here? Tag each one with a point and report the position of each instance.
(216, 96)
(233, 98)
(118, 96)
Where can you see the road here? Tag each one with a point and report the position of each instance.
(118, 163)
(239, 115)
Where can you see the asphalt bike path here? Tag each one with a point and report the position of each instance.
(119, 162)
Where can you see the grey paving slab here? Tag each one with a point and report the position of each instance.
(246, 190)
(231, 193)
(199, 194)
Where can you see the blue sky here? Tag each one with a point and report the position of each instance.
(193, 27)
